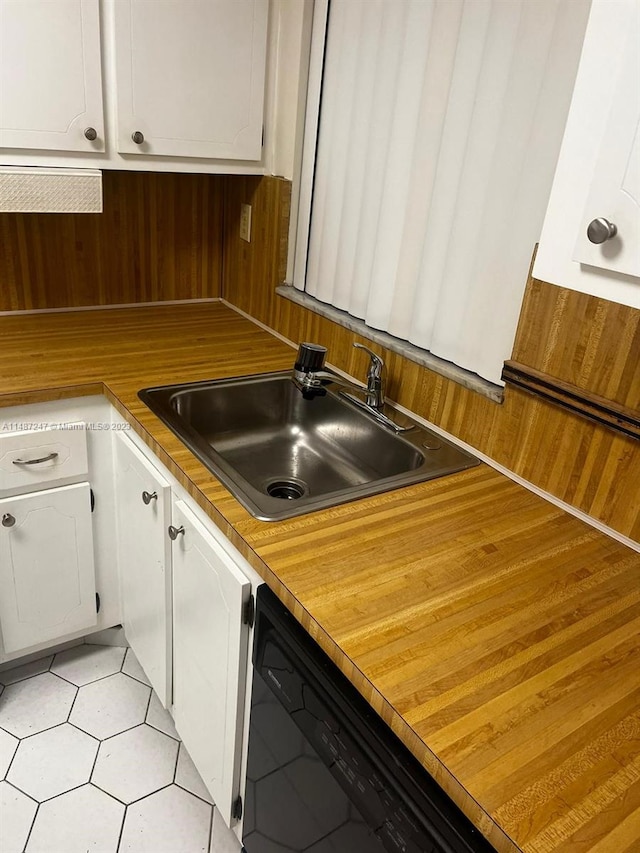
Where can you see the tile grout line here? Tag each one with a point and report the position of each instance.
(106, 793)
(99, 741)
(175, 766)
(193, 794)
(35, 814)
(4, 685)
(115, 734)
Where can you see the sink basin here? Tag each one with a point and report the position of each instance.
(282, 455)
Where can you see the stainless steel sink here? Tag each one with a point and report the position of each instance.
(282, 455)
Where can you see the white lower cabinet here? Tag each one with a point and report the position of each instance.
(144, 555)
(209, 655)
(190, 634)
(58, 563)
(46, 566)
(152, 557)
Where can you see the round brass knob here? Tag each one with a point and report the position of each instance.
(600, 230)
(138, 137)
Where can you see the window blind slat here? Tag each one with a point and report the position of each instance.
(440, 125)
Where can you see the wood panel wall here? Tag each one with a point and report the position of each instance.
(159, 238)
(587, 341)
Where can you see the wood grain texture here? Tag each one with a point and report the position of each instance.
(591, 343)
(587, 341)
(578, 400)
(158, 239)
(497, 635)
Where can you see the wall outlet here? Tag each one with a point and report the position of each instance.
(245, 222)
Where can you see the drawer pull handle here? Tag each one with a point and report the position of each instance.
(48, 458)
(8, 520)
(147, 497)
(174, 532)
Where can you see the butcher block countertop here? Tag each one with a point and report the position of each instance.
(496, 634)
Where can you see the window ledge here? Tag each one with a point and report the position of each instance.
(416, 354)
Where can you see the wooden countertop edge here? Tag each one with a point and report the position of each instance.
(407, 735)
(468, 805)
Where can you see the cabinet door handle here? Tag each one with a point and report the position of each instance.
(138, 137)
(90, 133)
(147, 497)
(8, 520)
(174, 532)
(600, 230)
(48, 458)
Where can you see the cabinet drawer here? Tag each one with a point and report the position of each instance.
(35, 459)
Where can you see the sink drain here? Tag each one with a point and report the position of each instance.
(288, 490)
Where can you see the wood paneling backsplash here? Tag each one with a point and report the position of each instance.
(587, 341)
(591, 343)
(159, 238)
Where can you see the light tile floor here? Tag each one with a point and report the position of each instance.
(91, 761)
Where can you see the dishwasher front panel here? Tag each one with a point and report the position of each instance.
(324, 773)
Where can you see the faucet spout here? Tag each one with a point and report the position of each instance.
(375, 379)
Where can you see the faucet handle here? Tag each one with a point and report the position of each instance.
(377, 364)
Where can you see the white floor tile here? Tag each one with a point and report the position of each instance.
(222, 839)
(16, 816)
(53, 762)
(8, 746)
(160, 718)
(84, 664)
(188, 777)
(80, 821)
(25, 670)
(135, 763)
(36, 704)
(170, 821)
(132, 667)
(110, 706)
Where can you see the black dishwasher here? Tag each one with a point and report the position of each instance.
(324, 773)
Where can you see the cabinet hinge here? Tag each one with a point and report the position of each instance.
(93, 499)
(236, 810)
(249, 611)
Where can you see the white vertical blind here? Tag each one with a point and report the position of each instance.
(440, 126)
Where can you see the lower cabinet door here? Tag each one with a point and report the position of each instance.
(209, 655)
(144, 557)
(47, 578)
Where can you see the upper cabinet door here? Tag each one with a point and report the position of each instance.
(50, 75)
(614, 195)
(190, 77)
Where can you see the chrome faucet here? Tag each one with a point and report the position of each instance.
(312, 379)
(375, 379)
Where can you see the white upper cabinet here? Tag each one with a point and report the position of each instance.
(609, 236)
(184, 84)
(50, 75)
(596, 186)
(190, 77)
